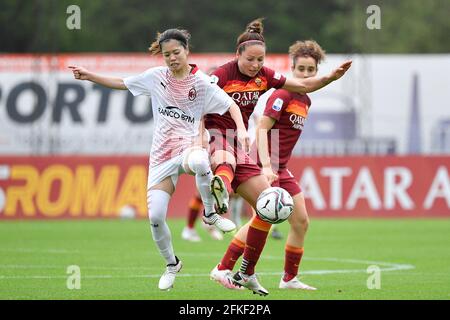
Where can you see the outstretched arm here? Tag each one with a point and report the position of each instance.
(81, 73)
(312, 84)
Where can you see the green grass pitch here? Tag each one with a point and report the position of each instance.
(118, 260)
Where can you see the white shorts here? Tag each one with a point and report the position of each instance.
(171, 168)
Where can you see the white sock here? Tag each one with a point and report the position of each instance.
(198, 163)
(158, 201)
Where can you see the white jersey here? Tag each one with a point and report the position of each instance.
(178, 106)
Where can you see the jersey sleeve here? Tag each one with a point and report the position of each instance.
(220, 76)
(274, 79)
(141, 84)
(261, 104)
(276, 104)
(217, 100)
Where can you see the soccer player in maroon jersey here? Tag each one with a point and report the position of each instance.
(285, 114)
(245, 79)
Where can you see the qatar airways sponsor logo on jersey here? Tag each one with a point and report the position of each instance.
(244, 99)
(297, 121)
(176, 113)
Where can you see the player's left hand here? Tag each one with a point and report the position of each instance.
(339, 72)
(269, 174)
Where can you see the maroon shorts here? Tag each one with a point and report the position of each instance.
(246, 167)
(287, 181)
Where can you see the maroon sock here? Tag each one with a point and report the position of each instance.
(194, 209)
(292, 259)
(233, 253)
(256, 240)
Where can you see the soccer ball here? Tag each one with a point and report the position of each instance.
(274, 205)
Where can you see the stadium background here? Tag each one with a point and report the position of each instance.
(376, 143)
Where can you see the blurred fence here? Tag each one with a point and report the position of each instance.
(386, 104)
(376, 143)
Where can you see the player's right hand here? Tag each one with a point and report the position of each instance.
(244, 139)
(80, 73)
(269, 174)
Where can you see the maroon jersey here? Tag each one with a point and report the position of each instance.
(289, 110)
(244, 90)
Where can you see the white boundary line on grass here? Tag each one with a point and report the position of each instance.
(385, 266)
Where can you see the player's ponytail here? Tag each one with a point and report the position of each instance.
(256, 26)
(182, 36)
(253, 34)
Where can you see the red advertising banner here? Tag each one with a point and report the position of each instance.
(119, 62)
(375, 186)
(106, 187)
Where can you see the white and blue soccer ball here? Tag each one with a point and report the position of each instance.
(274, 205)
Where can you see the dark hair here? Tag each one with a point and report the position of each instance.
(308, 48)
(253, 34)
(182, 36)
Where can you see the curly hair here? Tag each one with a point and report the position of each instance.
(308, 48)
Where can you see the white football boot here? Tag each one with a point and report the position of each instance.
(189, 234)
(294, 283)
(213, 232)
(168, 278)
(250, 282)
(221, 223)
(224, 277)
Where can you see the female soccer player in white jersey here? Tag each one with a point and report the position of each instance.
(180, 95)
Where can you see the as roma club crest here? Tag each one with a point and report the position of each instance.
(192, 94)
(258, 82)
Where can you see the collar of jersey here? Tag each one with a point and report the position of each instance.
(194, 68)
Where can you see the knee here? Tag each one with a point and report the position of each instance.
(222, 156)
(198, 162)
(155, 215)
(305, 223)
(157, 204)
(300, 222)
